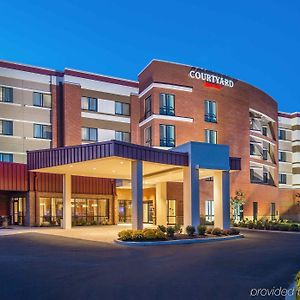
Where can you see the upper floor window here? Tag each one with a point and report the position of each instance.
(89, 134)
(282, 134)
(167, 136)
(42, 131)
(210, 111)
(265, 130)
(265, 154)
(282, 178)
(252, 149)
(281, 156)
(6, 157)
(265, 177)
(148, 107)
(210, 136)
(167, 104)
(6, 127)
(122, 136)
(122, 109)
(88, 103)
(148, 136)
(41, 100)
(6, 94)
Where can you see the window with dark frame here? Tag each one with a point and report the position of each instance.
(122, 108)
(148, 107)
(252, 149)
(167, 135)
(265, 130)
(167, 104)
(6, 94)
(282, 134)
(41, 131)
(273, 211)
(265, 154)
(210, 111)
(210, 136)
(282, 156)
(89, 134)
(148, 136)
(122, 136)
(6, 157)
(282, 178)
(89, 103)
(6, 127)
(265, 177)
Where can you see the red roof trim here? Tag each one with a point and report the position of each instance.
(30, 69)
(101, 78)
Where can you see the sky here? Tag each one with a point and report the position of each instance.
(257, 41)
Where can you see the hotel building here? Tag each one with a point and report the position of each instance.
(174, 115)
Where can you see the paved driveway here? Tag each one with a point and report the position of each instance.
(39, 266)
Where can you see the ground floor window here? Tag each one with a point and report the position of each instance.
(84, 211)
(238, 213)
(255, 211)
(148, 212)
(273, 211)
(209, 211)
(18, 208)
(171, 212)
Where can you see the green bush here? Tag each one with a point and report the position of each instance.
(125, 235)
(217, 231)
(138, 235)
(178, 228)
(294, 227)
(160, 235)
(170, 231)
(234, 231)
(250, 225)
(149, 234)
(201, 229)
(190, 230)
(225, 231)
(209, 230)
(162, 228)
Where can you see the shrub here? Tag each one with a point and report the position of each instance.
(209, 230)
(149, 234)
(234, 231)
(170, 231)
(250, 225)
(125, 235)
(160, 235)
(225, 231)
(284, 227)
(274, 227)
(162, 228)
(138, 235)
(259, 225)
(201, 229)
(190, 230)
(294, 227)
(217, 231)
(178, 228)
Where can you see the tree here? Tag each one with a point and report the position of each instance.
(236, 204)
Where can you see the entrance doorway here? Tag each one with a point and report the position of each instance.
(171, 213)
(18, 210)
(125, 211)
(148, 212)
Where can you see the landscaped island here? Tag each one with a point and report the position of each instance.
(163, 233)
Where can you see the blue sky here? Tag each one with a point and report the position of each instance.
(257, 41)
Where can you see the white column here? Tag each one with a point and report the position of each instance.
(222, 199)
(137, 194)
(161, 203)
(67, 210)
(191, 215)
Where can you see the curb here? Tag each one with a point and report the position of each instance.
(181, 242)
(265, 230)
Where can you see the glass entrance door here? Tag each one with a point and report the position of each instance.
(171, 217)
(148, 212)
(124, 211)
(18, 210)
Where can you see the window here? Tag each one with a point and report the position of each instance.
(265, 131)
(210, 136)
(273, 211)
(255, 211)
(265, 154)
(148, 136)
(171, 213)
(6, 157)
(167, 104)
(41, 100)
(209, 210)
(282, 134)
(282, 178)
(42, 131)
(122, 108)
(6, 94)
(167, 136)
(122, 136)
(252, 149)
(265, 177)
(88, 103)
(89, 134)
(282, 156)
(148, 107)
(6, 127)
(253, 177)
(210, 111)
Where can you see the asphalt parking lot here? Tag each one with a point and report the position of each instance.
(39, 266)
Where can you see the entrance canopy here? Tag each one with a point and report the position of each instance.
(112, 159)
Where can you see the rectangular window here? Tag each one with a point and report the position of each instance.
(255, 211)
(282, 156)
(148, 136)
(122, 136)
(167, 136)
(6, 127)
(171, 213)
(148, 107)
(89, 134)
(42, 131)
(6, 157)
(282, 134)
(210, 136)
(265, 177)
(265, 131)
(273, 211)
(167, 104)
(88, 103)
(265, 154)
(252, 149)
(41, 100)
(6, 94)
(282, 178)
(122, 108)
(210, 111)
(209, 210)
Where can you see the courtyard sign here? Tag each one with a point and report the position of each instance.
(210, 77)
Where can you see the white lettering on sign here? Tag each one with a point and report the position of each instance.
(202, 75)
